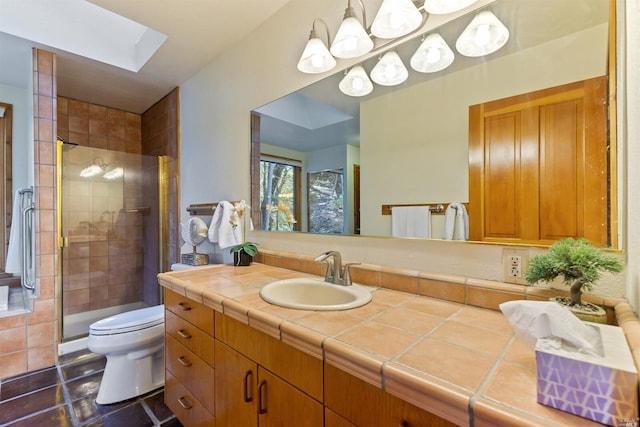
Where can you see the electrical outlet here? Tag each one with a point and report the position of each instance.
(514, 263)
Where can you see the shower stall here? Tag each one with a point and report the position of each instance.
(109, 227)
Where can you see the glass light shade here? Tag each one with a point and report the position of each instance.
(395, 18)
(390, 70)
(484, 35)
(316, 58)
(114, 173)
(351, 40)
(91, 170)
(433, 54)
(356, 82)
(442, 7)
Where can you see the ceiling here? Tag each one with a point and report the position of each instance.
(198, 31)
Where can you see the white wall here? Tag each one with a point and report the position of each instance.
(215, 135)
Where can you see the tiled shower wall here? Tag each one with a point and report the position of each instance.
(30, 341)
(102, 266)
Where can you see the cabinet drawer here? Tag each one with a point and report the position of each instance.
(184, 405)
(191, 371)
(191, 311)
(190, 336)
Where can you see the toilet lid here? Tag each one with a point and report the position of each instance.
(130, 321)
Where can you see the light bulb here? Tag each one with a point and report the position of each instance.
(482, 35)
(389, 71)
(357, 83)
(433, 55)
(317, 60)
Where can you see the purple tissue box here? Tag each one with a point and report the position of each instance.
(603, 387)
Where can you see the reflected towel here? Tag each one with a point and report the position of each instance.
(456, 219)
(220, 230)
(411, 221)
(14, 254)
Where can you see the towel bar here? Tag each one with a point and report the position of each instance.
(437, 208)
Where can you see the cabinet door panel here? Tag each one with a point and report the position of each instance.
(235, 382)
(281, 404)
(539, 167)
(366, 405)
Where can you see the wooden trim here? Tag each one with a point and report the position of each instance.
(612, 128)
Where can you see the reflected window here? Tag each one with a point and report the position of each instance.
(279, 195)
(325, 201)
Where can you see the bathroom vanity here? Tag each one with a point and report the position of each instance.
(233, 359)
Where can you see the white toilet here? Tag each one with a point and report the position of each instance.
(134, 345)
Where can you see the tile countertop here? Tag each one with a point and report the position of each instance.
(441, 356)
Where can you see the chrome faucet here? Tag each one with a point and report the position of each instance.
(335, 273)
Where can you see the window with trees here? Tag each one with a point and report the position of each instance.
(279, 195)
(326, 201)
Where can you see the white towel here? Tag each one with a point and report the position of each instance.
(456, 218)
(14, 252)
(220, 230)
(411, 221)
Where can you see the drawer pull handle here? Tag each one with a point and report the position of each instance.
(184, 361)
(184, 334)
(184, 402)
(403, 423)
(262, 398)
(247, 379)
(185, 306)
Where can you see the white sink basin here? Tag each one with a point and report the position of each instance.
(313, 294)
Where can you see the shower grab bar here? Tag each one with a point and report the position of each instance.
(26, 241)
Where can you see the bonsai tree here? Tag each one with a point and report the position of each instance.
(577, 261)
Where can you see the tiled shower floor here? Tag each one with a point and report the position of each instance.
(64, 395)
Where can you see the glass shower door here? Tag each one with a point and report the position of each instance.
(109, 228)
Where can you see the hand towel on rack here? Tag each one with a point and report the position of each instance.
(13, 264)
(411, 221)
(221, 231)
(456, 218)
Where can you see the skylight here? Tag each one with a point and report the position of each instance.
(82, 28)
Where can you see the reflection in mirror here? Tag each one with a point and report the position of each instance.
(411, 141)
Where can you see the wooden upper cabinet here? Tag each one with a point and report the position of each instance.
(538, 166)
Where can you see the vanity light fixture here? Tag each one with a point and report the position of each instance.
(352, 39)
(356, 82)
(396, 18)
(389, 71)
(433, 54)
(114, 173)
(484, 35)
(95, 167)
(442, 7)
(316, 57)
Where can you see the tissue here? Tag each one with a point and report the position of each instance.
(583, 368)
(532, 320)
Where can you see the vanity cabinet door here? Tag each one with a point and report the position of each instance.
(363, 404)
(281, 404)
(236, 387)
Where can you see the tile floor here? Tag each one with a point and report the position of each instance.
(64, 395)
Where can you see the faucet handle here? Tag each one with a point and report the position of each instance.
(346, 274)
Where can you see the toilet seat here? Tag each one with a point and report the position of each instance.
(131, 321)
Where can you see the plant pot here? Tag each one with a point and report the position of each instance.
(586, 311)
(241, 259)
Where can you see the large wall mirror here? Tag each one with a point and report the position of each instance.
(409, 144)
